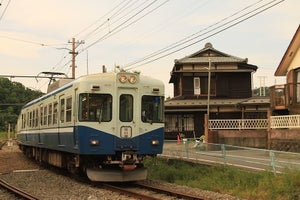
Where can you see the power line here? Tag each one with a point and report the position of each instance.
(110, 21)
(98, 20)
(4, 9)
(124, 24)
(119, 9)
(158, 53)
(187, 39)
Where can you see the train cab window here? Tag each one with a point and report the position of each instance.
(126, 108)
(152, 109)
(95, 107)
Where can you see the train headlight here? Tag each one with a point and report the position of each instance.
(132, 79)
(155, 142)
(122, 78)
(94, 142)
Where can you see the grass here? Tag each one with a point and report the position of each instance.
(3, 135)
(227, 180)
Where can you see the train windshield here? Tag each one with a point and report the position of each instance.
(152, 109)
(95, 107)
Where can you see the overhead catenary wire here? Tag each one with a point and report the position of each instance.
(217, 30)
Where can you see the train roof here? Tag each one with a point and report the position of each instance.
(91, 77)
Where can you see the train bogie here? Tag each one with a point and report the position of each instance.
(102, 124)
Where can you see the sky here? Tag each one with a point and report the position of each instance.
(35, 35)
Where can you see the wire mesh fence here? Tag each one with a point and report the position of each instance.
(221, 154)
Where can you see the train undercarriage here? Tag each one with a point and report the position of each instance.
(122, 167)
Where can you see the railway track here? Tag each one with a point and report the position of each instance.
(145, 191)
(16, 191)
(177, 194)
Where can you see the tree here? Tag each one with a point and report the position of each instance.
(13, 96)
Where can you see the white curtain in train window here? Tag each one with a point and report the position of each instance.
(298, 87)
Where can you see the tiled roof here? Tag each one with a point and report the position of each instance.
(223, 102)
(195, 60)
(219, 57)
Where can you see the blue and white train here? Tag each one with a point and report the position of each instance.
(103, 125)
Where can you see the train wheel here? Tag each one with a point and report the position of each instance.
(71, 167)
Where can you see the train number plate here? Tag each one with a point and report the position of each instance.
(126, 132)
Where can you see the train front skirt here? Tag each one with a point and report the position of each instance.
(106, 175)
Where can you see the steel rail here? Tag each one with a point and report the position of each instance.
(128, 192)
(170, 192)
(17, 191)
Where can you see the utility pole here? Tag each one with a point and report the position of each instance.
(208, 87)
(262, 89)
(74, 54)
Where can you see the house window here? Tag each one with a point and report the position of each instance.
(180, 122)
(298, 86)
(197, 88)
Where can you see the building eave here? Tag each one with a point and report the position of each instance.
(289, 54)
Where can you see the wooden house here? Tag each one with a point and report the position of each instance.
(285, 98)
(214, 83)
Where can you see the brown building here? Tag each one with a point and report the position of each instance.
(285, 99)
(210, 82)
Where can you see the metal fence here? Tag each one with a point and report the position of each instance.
(221, 154)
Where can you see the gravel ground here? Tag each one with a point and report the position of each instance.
(48, 185)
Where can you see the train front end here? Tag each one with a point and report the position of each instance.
(127, 126)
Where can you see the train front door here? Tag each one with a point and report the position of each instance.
(128, 113)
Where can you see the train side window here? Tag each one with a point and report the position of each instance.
(30, 119)
(50, 114)
(69, 109)
(41, 115)
(55, 112)
(95, 107)
(126, 108)
(23, 120)
(27, 120)
(36, 117)
(152, 109)
(33, 119)
(62, 110)
(45, 116)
